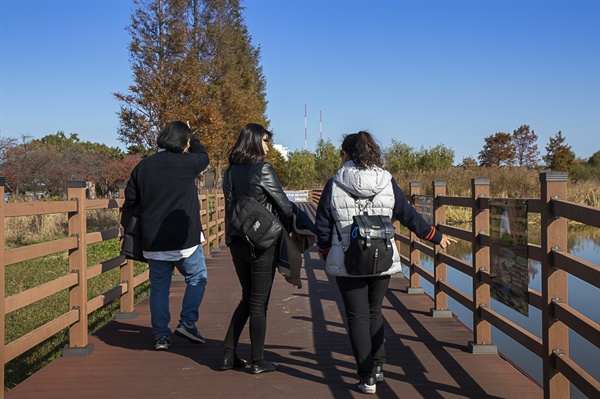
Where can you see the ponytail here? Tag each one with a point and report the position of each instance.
(362, 149)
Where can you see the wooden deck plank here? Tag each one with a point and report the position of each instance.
(427, 357)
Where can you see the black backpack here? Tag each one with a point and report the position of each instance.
(371, 244)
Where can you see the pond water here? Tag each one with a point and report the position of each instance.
(583, 297)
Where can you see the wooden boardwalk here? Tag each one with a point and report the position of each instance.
(427, 357)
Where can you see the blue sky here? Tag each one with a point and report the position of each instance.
(420, 72)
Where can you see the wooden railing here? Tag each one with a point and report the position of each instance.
(79, 272)
(557, 317)
(559, 370)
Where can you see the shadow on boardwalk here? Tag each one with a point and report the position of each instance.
(427, 357)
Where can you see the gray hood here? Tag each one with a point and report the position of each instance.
(362, 183)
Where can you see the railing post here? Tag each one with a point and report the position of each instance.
(78, 333)
(214, 220)
(480, 222)
(555, 334)
(204, 218)
(415, 255)
(439, 268)
(2, 286)
(126, 275)
(221, 217)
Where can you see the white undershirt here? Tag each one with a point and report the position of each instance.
(172, 256)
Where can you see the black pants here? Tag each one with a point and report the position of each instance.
(363, 299)
(256, 278)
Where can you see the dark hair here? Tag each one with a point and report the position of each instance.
(362, 149)
(248, 147)
(174, 137)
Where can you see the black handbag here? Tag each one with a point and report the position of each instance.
(252, 221)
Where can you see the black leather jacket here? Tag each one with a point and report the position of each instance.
(257, 180)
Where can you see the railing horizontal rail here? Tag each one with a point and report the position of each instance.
(105, 266)
(535, 205)
(462, 234)
(424, 273)
(404, 260)
(580, 268)
(577, 212)
(141, 278)
(535, 252)
(99, 236)
(403, 239)
(425, 249)
(40, 334)
(15, 209)
(106, 298)
(578, 322)
(465, 202)
(587, 384)
(29, 252)
(104, 203)
(456, 263)
(522, 336)
(535, 299)
(32, 295)
(457, 295)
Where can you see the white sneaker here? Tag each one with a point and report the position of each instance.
(367, 384)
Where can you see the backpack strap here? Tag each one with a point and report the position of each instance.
(362, 208)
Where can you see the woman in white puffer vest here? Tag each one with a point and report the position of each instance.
(361, 182)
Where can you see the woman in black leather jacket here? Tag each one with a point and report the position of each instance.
(255, 268)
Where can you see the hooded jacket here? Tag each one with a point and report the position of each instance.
(379, 194)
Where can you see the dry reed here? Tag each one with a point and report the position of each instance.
(27, 230)
(504, 183)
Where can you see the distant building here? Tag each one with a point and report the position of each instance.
(282, 150)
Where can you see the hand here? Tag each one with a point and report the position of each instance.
(446, 241)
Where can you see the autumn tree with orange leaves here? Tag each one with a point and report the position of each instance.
(192, 60)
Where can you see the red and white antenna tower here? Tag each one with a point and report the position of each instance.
(321, 125)
(305, 131)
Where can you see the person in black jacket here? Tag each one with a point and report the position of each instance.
(248, 174)
(164, 186)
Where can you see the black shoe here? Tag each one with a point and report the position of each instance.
(236, 363)
(162, 343)
(378, 372)
(263, 367)
(191, 334)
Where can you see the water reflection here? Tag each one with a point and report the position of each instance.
(583, 297)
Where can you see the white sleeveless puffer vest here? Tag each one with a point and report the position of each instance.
(362, 183)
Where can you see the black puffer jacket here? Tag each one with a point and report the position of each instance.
(257, 180)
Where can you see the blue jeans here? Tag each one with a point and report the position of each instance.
(193, 269)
